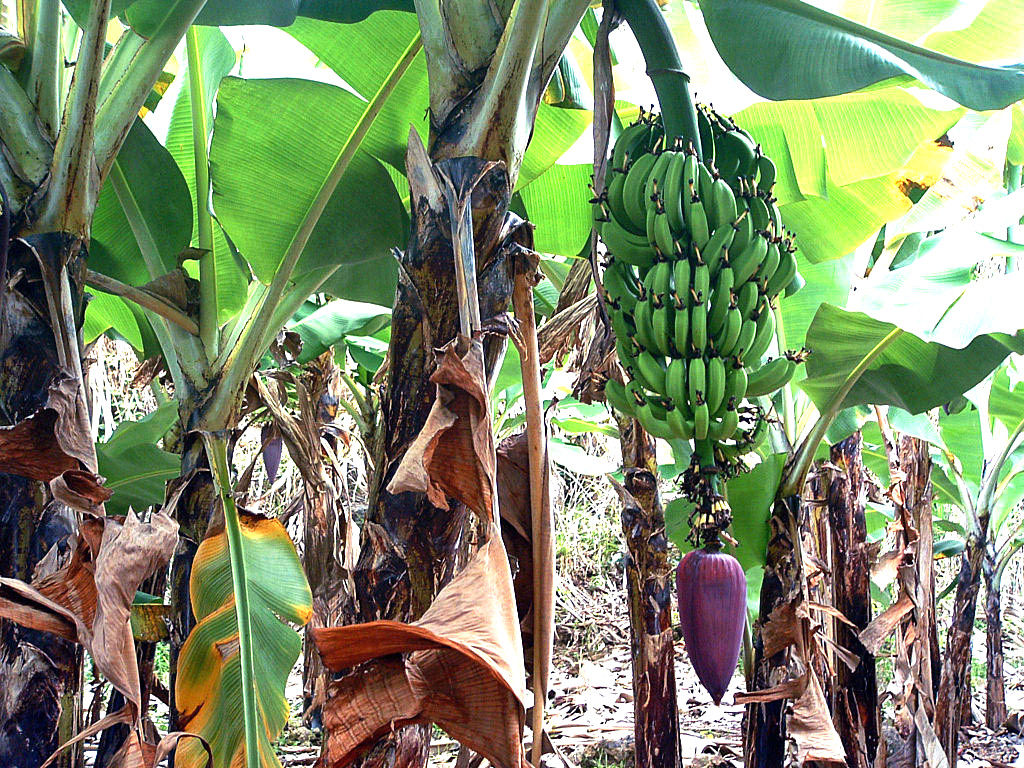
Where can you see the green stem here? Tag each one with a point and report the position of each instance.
(1013, 232)
(208, 311)
(793, 479)
(27, 151)
(241, 358)
(217, 452)
(987, 493)
(42, 83)
(132, 69)
(789, 425)
(74, 187)
(661, 55)
(144, 299)
(357, 417)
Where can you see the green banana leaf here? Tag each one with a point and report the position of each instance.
(898, 367)
(247, 589)
(105, 312)
(135, 468)
(381, 40)
(216, 60)
(786, 49)
(335, 320)
(274, 144)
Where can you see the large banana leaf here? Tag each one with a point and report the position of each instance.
(274, 144)
(332, 322)
(247, 586)
(786, 49)
(895, 367)
(381, 40)
(216, 59)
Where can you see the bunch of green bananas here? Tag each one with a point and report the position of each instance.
(697, 255)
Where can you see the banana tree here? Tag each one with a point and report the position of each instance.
(980, 460)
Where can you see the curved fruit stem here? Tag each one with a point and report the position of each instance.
(664, 68)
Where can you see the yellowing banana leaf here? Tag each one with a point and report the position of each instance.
(243, 595)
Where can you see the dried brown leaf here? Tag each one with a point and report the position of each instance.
(790, 689)
(453, 455)
(463, 671)
(811, 727)
(785, 627)
(875, 633)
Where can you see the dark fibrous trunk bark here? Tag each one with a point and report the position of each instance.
(649, 599)
(408, 548)
(39, 673)
(765, 726)
(953, 698)
(855, 703)
(995, 683)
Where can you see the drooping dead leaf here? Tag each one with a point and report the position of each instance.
(882, 626)
(89, 600)
(811, 727)
(463, 662)
(784, 628)
(790, 689)
(453, 455)
(50, 446)
(464, 669)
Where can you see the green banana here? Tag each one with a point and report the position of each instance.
(770, 264)
(681, 335)
(795, 284)
(651, 217)
(615, 395)
(725, 342)
(705, 184)
(760, 217)
(676, 193)
(744, 232)
(664, 328)
(616, 201)
(681, 426)
(723, 205)
(763, 336)
(776, 217)
(634, 140)
(681, 278)
(663, 238)
(656, 180)
(746, 300)
(654, 426)
(696, 380)
(744, 264)
(700, 232)
(755, 438)
(735, 382)
(707, 136)
(627, 246)
(699, 326)
(701, 283)
(675, 381)
(701, 421)
(643, 317)
(620, 286)
(720, 301)
(766, 171)
(745, 339)
(715, 383)
(735, 154)
(659, 280)
(717, 246)
(783, 275)
(622, 325)
(688, 188)
(650, 371)
(633, 189)
(771, 376)
(725, 427)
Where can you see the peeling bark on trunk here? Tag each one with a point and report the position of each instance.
(649, 599)
(952, 700)
(408, 548)
(995, 684)
(855, 709)
(39, 673)
(765, 727)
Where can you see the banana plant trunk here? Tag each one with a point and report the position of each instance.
(995, 683)
(764, 743)
(855, 711)
(408, 548)
(649, 599)
(39, 673)
(953, 698)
